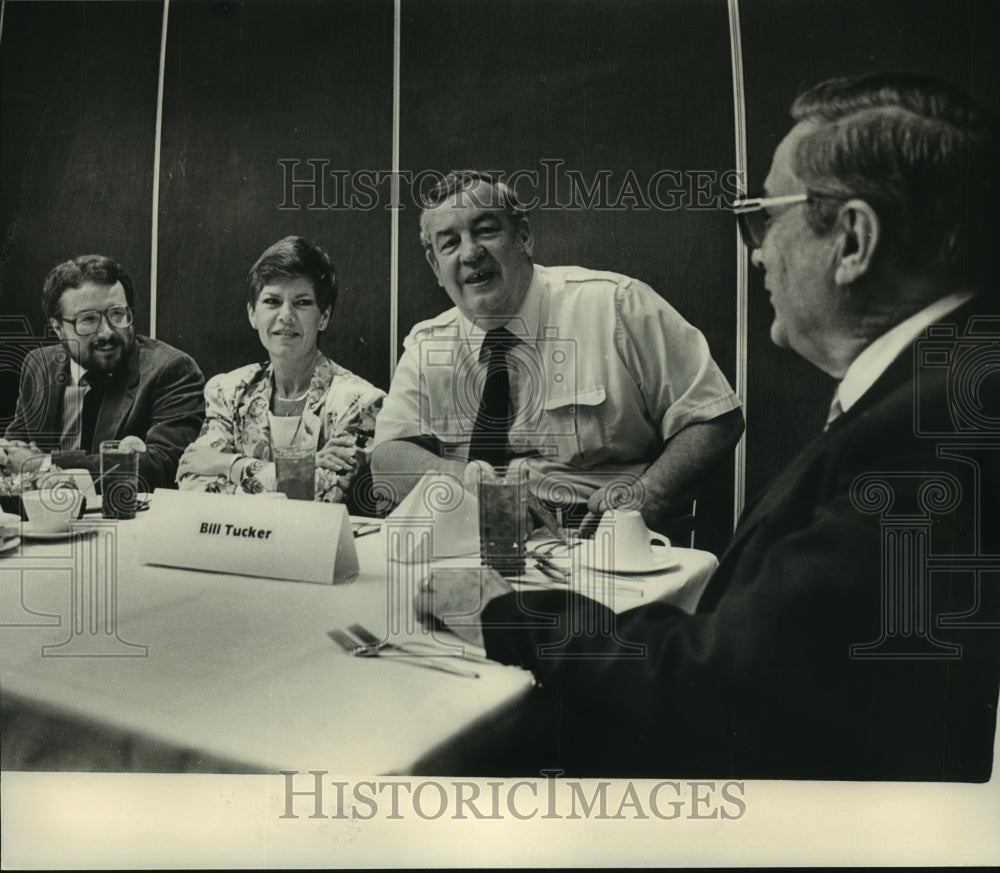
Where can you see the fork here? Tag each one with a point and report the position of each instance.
(363, 528)
(546, 564)
(417, 648)
(361, 650)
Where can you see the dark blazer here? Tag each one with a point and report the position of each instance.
(819, 649)
(157, 396)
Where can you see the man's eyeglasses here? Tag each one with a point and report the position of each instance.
(754, 218)
(90, 321)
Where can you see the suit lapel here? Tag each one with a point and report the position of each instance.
(57, 375)
(773, 495)
(899, 372)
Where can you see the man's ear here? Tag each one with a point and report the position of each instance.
(525, 241)
(252, 317)
(860, 232)
(324, 319)
(56, 325)
(432, 260)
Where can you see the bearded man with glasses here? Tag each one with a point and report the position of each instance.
(103, 382)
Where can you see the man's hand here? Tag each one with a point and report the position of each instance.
(476, 472)
(132, 444)
(672, 481)
(620, 494)
(457, 598)
(18, 458)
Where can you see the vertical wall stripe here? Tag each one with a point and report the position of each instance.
(742, 263)
(395, 193)
(3, 4)
(156, 172)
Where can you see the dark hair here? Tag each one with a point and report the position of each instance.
(73, 273)
(462, 180)
(293, 257)
(919, 151)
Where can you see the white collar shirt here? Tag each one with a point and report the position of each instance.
(867, 367)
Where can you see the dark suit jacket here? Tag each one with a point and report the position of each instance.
(767, 679)
(157, 396)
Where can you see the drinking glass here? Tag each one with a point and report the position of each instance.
(119, 480)
(295, 471)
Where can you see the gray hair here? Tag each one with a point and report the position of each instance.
(459, 181)
(919, 151)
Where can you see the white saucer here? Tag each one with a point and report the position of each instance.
(29, 533)
(12, 543)
(659, 563)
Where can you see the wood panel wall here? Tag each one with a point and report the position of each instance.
(77, 134)
(542, 86)
(246, 87)
(552, 88)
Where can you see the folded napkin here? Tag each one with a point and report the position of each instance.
(443, 517)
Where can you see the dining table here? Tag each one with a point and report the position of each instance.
(113, 664)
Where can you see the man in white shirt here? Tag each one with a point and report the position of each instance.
(851, 629)
(608, 396)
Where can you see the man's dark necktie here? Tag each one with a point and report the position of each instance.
(489, 436)
(91, 406)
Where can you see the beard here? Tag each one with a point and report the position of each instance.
(105, 355)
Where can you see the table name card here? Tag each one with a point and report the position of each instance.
(249, 536)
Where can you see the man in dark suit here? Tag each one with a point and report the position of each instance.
(103, 382)
(851, 629)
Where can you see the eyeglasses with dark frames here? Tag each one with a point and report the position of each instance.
(753, 216)
(89, 321)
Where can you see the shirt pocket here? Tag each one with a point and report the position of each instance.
(448, 402)
(573, 423)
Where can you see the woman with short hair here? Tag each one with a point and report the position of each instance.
(297, 396)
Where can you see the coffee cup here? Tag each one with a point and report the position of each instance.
(82, 479)
(623, 536)
(50, 510)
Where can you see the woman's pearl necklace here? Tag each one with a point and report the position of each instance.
(291, 399)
